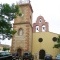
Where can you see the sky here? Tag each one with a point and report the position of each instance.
(49, 9)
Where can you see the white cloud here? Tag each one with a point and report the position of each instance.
(50, 10)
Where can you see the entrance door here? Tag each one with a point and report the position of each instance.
(19, 51)
(41, 54)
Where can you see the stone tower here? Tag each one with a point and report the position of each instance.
(23, 25)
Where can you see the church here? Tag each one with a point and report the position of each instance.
(34, 38)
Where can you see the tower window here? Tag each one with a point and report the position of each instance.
(30, 17)
(22, 15)
(20, 32)
(43, 28)
(37, 28)
(40, 20)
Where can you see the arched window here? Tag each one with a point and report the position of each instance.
(43, 28)
(37, 28)
(20, 32)
(40, 20)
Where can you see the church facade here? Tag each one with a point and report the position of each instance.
(43, 40)
(30, 38)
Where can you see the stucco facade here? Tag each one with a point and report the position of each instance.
(47, 44)
(43, 39)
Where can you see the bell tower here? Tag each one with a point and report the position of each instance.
(23, 25)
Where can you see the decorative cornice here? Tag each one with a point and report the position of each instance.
(23, 23)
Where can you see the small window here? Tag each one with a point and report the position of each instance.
(54, 39)
(30, 17)
(20, 32)
(22, 15)
(40, 39)
(37, 28)
(43, 28)
(40, 20)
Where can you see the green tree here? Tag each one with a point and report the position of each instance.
(7, 14)
(4, 49)
(57, 45)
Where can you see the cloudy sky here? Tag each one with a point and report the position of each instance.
(49, 9)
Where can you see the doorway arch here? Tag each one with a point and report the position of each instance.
(41, 54)
(19, 51)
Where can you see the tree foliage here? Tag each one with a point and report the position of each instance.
(4, 48)
(7, 14)
(57, 45)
